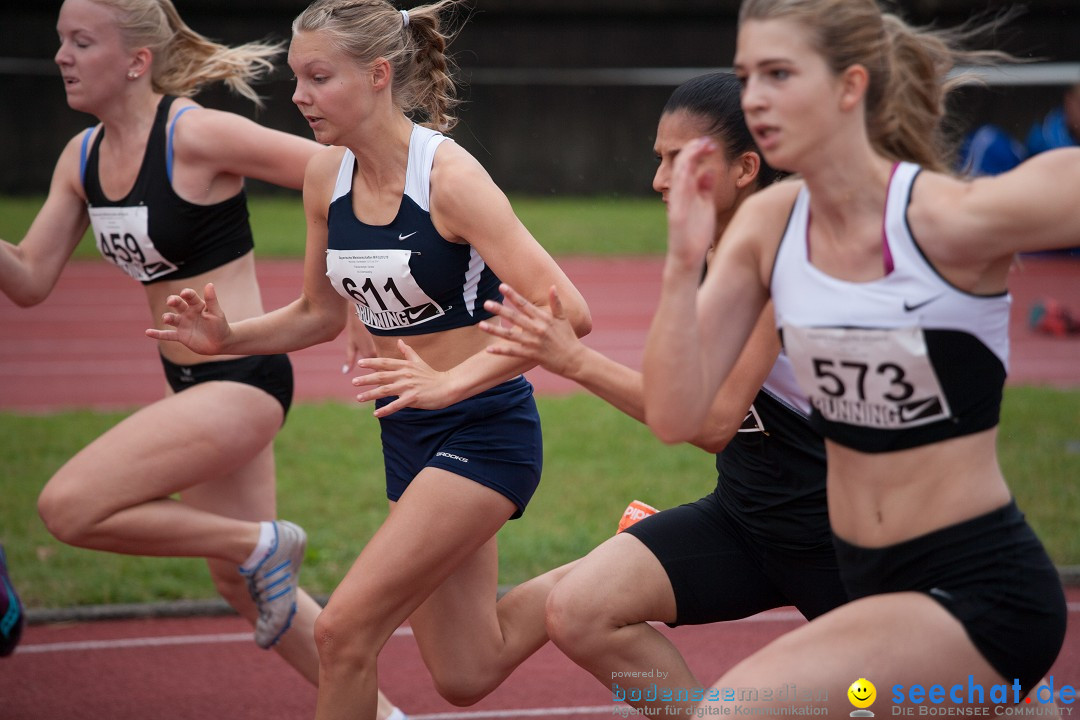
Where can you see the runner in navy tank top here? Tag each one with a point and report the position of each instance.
(888, 276)
(161, 181)
(406, 228)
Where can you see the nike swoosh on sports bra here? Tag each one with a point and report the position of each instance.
(405, 278)
(893, 363)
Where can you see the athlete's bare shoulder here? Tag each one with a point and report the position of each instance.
(320, 176)
(779, 194)
(764, 214)
(67, 175)
(324, 164)
(454, 163)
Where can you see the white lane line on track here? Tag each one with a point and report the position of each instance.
(134, 642)
(771, 616)
(162, 641)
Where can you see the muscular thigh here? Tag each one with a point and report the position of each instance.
(442, 524)
(210, 431)
(897, 638)
(635, 585)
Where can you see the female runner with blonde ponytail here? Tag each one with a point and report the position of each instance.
(408, 227)
(888, 279)
(161, 180)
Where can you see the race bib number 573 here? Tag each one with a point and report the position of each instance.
(875, 378)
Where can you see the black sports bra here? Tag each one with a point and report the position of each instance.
(152, 233)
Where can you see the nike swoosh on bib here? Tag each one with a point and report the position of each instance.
(918, 409)
(421, 312)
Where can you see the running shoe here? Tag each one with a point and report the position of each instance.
(12, 617)
(635, 511)
(273, 583)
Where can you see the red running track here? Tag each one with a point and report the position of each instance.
(84, 346)
(209, 668)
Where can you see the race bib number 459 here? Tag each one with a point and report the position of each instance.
(873, 378)
(122, 236)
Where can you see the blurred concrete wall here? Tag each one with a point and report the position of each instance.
(553, 104)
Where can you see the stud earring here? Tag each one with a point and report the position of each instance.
(132, 74)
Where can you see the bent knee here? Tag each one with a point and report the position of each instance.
(327, 631)
(64, 513)
(574, 620)
(344, 640)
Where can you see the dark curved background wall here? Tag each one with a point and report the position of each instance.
(534, 115)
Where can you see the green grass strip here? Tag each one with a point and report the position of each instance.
(330, 481)
(564, 226)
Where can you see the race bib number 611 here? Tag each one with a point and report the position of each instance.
(382, 286)
(875, 378)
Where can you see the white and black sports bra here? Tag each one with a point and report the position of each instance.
(894, 363)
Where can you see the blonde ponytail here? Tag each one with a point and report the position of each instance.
(909, 68)
(431, 86)
(414, 42)
(185, 61)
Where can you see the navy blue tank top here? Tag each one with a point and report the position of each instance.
(405, 278)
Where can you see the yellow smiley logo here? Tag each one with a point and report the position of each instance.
(862, 693)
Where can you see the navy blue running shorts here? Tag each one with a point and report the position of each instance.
(270, 373)
(492, 438)
(990, 572)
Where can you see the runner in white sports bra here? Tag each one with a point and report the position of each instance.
(886, 298)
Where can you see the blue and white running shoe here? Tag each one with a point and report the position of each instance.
(274, 581)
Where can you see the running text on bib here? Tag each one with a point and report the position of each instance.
(381, 284)
(875, 378)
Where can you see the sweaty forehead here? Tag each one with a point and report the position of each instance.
(678, 127)
(85, 16)
(774, 40)
(310, 47)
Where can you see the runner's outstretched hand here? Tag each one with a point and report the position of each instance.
(199, 324)
(540, 334)
(691, 207)
(415, 383)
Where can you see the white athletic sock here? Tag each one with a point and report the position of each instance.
(396, 715)
(266, 541)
